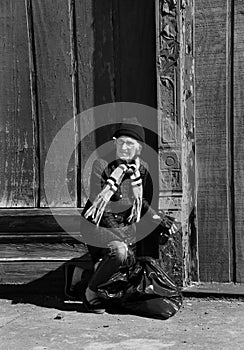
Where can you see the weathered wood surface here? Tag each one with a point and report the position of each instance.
(95, 24)
(32, 237)
(135, 66)
(187, 96)
(51, 25)
(17, 148)
(168, 51)
(103, 54)
(104, 70)
(168, 37)
(39, 237)
(238, 135)
(38, 212)
(23, 272)
(212, 140)
(60, 58)
(38, 221)
(85, 47)
(40, 252)
(214, 289)
(29, 256)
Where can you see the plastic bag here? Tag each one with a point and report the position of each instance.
(144, 289)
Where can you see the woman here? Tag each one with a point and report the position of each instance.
(117, 203)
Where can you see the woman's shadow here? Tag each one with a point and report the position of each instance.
(49, 291)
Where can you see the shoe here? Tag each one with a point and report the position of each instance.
(95, 305)
(75, 293)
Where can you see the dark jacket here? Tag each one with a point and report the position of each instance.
(114, 224)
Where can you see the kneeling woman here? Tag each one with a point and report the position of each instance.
(116, 204)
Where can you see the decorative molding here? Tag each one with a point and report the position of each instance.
(168, 53)
(175, 69)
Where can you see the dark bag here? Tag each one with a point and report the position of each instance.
(144, 289)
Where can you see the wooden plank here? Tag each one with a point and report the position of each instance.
(36, 262)
(238, 95)
(94, 25)
(39, 212)
(187, 95)
(212, 140)
(85, 48)
(168, 50)
(39, 223)
(17, 149)
(103, 54)
(40, 251)
(24, 272)
(51, 24)
(168, 35)
(104, 76)
(39, 237)
(217, 289)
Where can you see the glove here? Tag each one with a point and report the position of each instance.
(167, 222)
(167, 226)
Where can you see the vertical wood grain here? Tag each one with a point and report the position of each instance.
(34, 98)
(103, 54)
(239, 136)
(104, 76)
(51, 23)
(76, 102)
(212, 140)
(17, 180)
(169, 27)
(84, 27)
(96, 77)
(187, 111)
(85, 41)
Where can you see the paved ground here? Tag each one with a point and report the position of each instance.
(47, 323)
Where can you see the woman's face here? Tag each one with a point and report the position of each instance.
(127, 148)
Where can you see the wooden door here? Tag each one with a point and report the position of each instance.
(58, 59)
(219, 50)
(201, 47)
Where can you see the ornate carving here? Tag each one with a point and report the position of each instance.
(170, 160)
(170, 202)
(176, 126)
(170, 181)
(168, 75)
(169, 45)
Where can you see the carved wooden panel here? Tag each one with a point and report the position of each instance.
(168, 49)
(176, 129)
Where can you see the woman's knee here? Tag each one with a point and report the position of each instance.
(118, 250)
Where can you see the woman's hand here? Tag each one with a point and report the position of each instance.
(168, 221)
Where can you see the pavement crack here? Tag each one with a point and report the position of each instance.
(10, 321)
